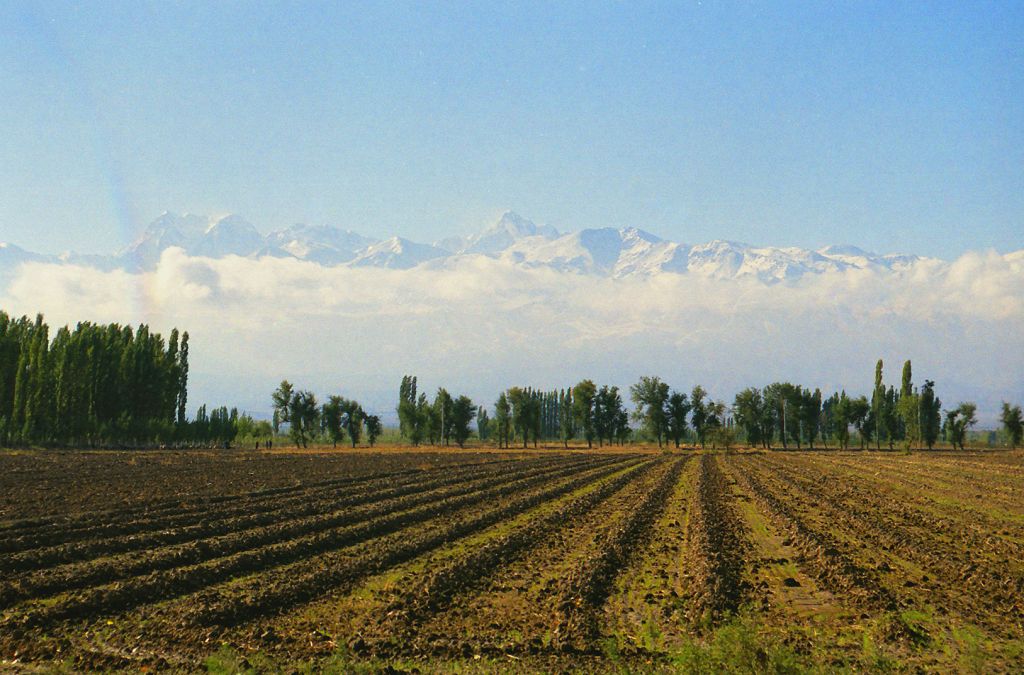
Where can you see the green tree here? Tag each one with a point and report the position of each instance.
(483, 424)
(519, 399)
(749, 409)
(676, 410)
(502, 419)
(373, 429)
(700, 413)
(182, 379)
(860, 415)
(930, 414)
(716, 422)
(408, 417)
(282, 400)
(608, 410)
(422, 423)
(650, 395)
(958, 421)
(566, 420)
(909, 408)
(843, 417)
(879, 406)
(783, 399)
(534, 414)
(463, 413)
(893, 428)
(302, 416)
(810, 415)
(1012, 423)
(583, 395)
(442, 414)
(331, 419)
(352, 420)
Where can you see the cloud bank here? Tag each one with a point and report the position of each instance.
(485, 324)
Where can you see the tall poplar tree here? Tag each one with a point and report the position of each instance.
(583, 409)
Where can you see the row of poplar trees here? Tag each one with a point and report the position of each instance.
(781, 412)
(444, 420)
(599, 414)
(307, 420)
(908, 416)
(592, 413)
(94, 384)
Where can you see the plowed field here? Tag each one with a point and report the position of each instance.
(544, 561)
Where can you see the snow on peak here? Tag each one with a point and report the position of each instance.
(512, 238)
(509, 229)
(396, 253)
(321, 244)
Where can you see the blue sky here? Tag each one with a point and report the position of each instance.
(897, 126)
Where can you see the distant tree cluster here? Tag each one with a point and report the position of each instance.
(334, 420)
(102, 385)
(115, 385)
(441, 421)
(524, 414)
(96, 384)
(781, 412)
(908, 416)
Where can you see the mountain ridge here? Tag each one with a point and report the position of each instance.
(607, 251)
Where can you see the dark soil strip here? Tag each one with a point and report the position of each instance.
(292, 590)
(586, 588)
(163, 585)
(220, 523)
(835, 570)
(81, 575)
(181, 522)
(466, 573)
(716, 545)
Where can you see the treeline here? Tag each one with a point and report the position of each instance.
(307, 420)
(525, 414)
(96, 384)
(908, 416)
(440, 421)
(101, 385)
(781, 413)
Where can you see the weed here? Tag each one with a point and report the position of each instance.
(736, 647)
(970, 649)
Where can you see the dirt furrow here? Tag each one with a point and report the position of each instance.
(80, 575)
(716, 548)
(466, 573)
(588, 585)
(821, 552)
(995, 590)
(157, 529)
(170, 583)
(241, 604)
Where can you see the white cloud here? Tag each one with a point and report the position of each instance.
(484, 324)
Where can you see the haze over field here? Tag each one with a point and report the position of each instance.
(522, 303)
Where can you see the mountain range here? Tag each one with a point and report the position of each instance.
(605, 251)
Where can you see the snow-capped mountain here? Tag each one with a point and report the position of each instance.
(512, 239)
(397, 253)
(230, 235)
(168, 230)
(510, 229)
(594, 251)
(317, 243)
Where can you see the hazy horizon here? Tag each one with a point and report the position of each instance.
(471, 229)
